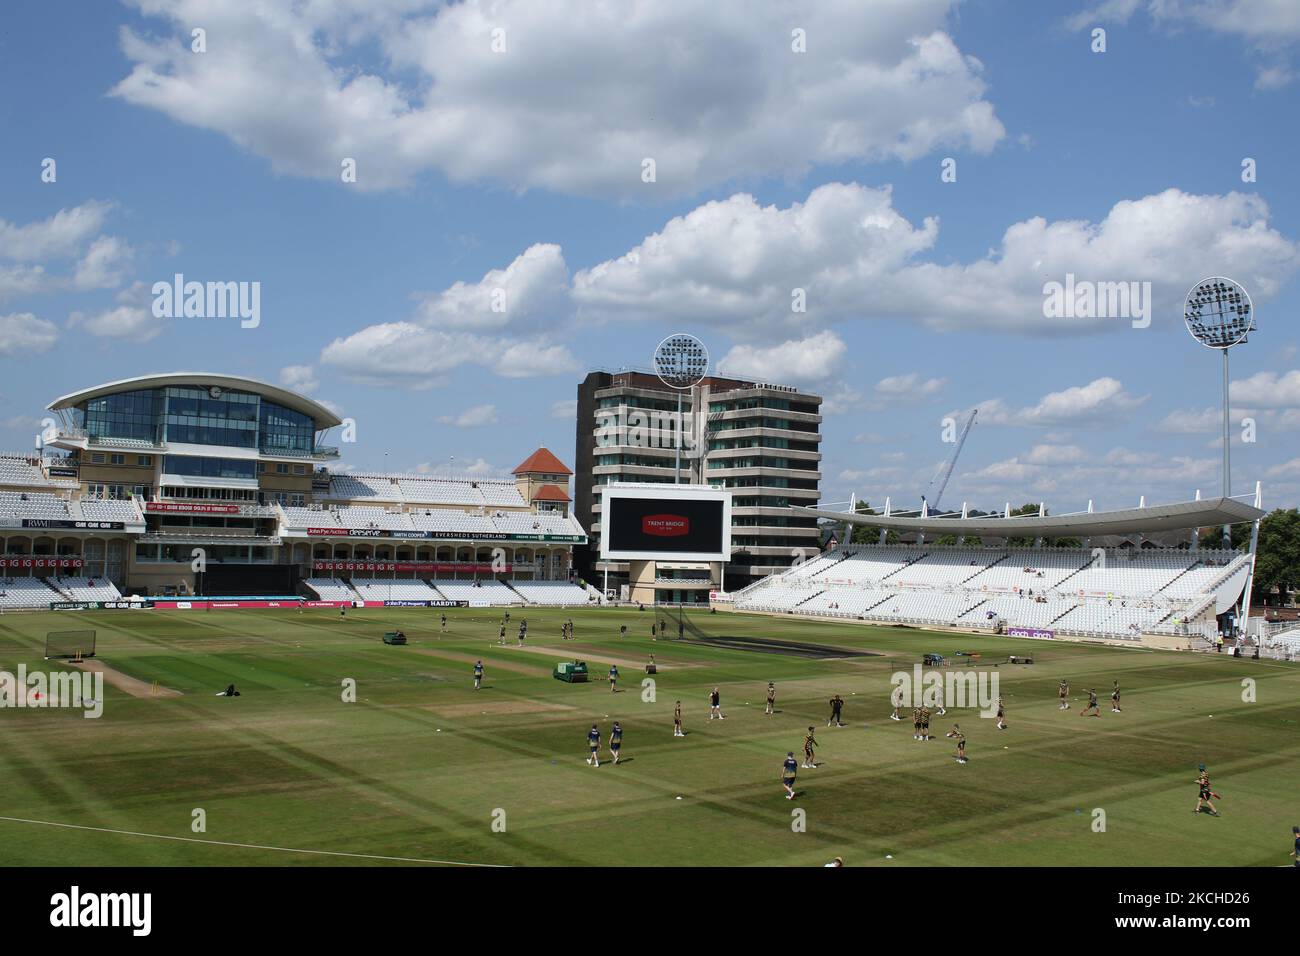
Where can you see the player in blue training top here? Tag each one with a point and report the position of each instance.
(613, 677)
(478, 674)
(593, 741)
(788, 771)
(616, 740)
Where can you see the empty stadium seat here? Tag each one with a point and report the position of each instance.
(33, 504)
(551, 593)
(479, 593)
(87, 589)
(331, 589)
(27, 593)
(109, 509)
(400, 590)
(1119, 594)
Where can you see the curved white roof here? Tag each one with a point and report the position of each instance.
(1208, 513)
(321, 415)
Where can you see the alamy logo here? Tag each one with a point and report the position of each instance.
(74, 908)
(78, 689)
(648, 429)
(1084, 299)
(179, 299)
(951, 688)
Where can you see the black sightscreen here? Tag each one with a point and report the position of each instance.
(250, 580)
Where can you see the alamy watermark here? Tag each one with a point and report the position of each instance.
(133, 911)
(947, 688)
(83, 690)
(1084, 299)
(179, 299)
(648, 429)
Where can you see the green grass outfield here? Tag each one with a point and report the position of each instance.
(417, 766)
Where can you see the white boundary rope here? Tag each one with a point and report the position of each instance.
(248, 846)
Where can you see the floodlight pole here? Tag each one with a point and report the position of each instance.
(677, 468)
(1227, 467)
(1227, 452)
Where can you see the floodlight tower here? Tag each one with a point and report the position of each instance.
(1219, 315)
(681, 361)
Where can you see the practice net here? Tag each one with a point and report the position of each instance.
(673, 623)
(72, 644)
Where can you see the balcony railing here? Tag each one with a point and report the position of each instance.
(319, 453)
(141, 443)
(74, 433)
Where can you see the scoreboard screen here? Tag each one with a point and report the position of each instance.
(686, 522)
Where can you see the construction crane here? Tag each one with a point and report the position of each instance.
(945, 470)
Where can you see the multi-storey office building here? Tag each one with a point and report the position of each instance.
(760, 441)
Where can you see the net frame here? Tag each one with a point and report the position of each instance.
(70, 644)
(669, 622)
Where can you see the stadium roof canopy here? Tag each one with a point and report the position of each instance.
(1206, 513)
(320, 415)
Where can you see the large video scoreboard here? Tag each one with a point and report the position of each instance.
(653, 522)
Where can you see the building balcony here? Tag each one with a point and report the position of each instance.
(652, 448)
(733, 414)
(661, 416)
(760, 471)
(759, 432)
(721, 454)
(758, 552)
(758, 511)
(75, 437)
(803, 497)
(69, 436)
(784, 531)
(767, 390)
(189, 537)
(319, 453)
(649, 394)
(633, 471)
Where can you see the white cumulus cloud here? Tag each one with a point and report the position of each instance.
(299, 378)
(801, 361)
(23, 332)
(1101, 401)
(473, 417)
(566, 95)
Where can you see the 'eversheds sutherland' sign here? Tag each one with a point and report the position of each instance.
(440, 535)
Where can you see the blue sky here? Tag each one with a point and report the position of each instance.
(520, 169)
